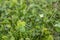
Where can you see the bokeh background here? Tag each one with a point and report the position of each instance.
(29, 19)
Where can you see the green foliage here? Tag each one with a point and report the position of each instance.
(29, 19)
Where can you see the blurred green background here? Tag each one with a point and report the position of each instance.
(29, 19)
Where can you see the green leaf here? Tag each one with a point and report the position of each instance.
(12, 38)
